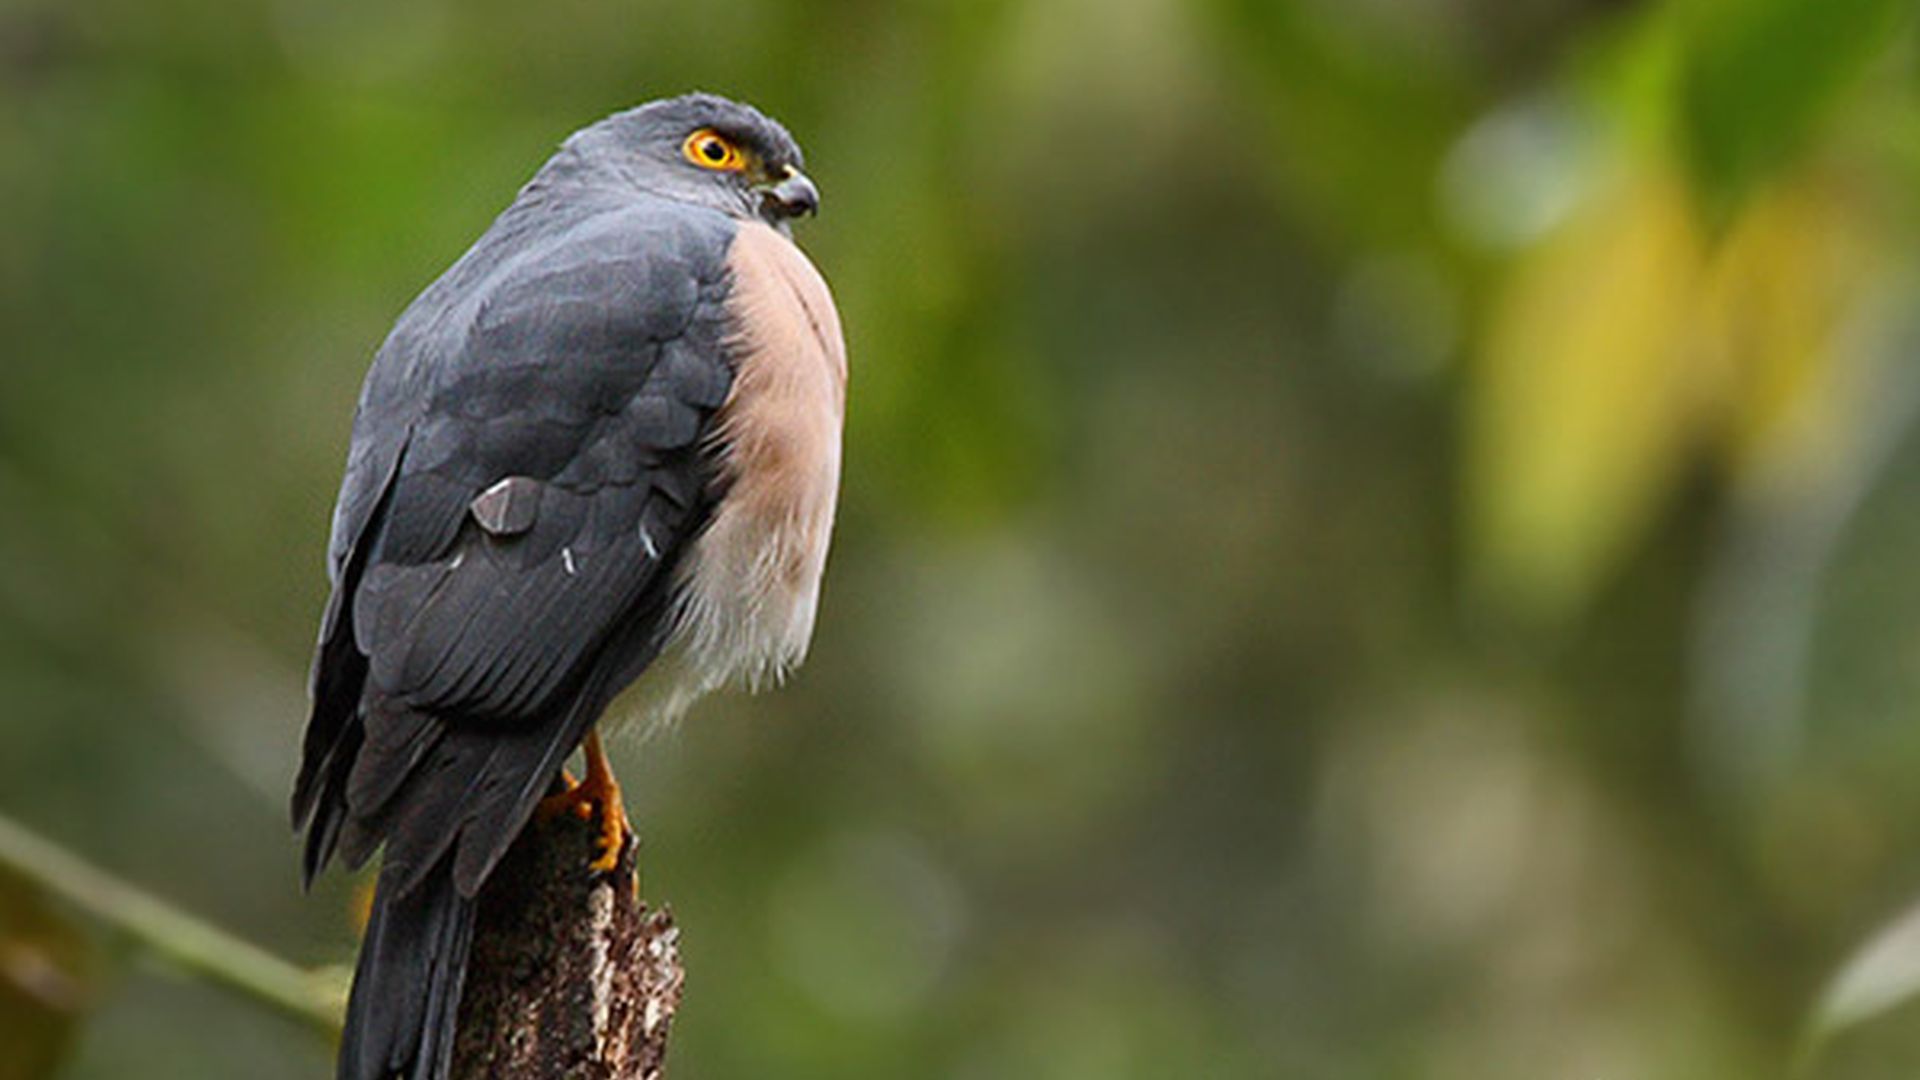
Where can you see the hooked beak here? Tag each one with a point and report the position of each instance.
(793, 196)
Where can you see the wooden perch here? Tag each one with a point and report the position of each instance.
(570, 976)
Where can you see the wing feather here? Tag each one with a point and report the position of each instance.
(458, 663)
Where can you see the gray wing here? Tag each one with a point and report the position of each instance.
(529, 460)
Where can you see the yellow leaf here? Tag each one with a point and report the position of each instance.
(1586, 403)
(1775, 305)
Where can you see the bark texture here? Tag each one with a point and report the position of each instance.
(570, 976)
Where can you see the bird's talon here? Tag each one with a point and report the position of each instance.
(614, 831)
(597, 794)
(565, 801)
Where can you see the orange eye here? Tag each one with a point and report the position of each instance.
(709, 149)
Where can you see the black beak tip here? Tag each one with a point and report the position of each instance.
(795, 196)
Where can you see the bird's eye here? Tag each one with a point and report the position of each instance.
(709, 149)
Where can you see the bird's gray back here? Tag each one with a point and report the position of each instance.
(487, 310)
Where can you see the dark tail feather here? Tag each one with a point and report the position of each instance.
(406, 990)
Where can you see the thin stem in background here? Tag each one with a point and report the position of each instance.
(185, 942)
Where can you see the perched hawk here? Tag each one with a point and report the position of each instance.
(601, 451)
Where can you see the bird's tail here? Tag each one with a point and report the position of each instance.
(406, 989)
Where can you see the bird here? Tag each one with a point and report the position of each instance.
(597, 458)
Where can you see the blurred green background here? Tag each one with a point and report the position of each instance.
(1378, 536)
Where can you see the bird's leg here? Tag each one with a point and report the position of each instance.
(598, 793)
(601, 787)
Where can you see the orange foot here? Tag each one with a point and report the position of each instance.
(597, 795)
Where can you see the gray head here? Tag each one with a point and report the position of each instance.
(700, 149)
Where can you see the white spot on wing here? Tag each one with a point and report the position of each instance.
(508, 507)
(566, 559)
(646, 539)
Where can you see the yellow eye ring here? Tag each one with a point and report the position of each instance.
(709, 149)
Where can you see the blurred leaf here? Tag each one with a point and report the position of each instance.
(1626, 344)
(1363, 121)
(1586, 399)
(1761, 73)
(1781, 290)
(1884, 973)
(45, 983)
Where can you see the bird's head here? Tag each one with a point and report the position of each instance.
(708, 151)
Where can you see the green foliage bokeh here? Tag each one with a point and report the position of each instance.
(1376, 537)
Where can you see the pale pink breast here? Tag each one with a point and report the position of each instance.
(752, 581)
